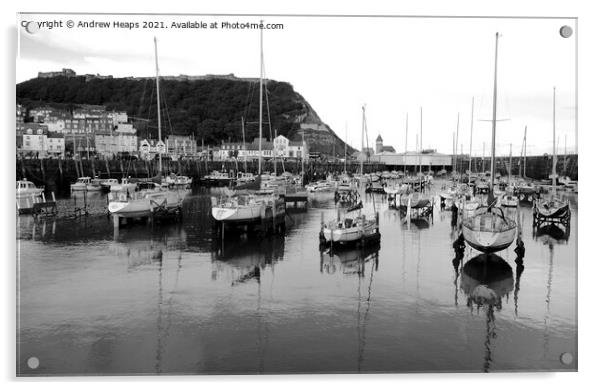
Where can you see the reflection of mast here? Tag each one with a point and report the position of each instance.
(361, 331)
(159, 318)
(418, 273)
(490, 335)
(548, 299)
(519, 271)
(456, 263)
(260, 336)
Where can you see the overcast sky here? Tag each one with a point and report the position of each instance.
(393, 65)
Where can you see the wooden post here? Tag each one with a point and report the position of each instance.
(43, 170)
(60, 163)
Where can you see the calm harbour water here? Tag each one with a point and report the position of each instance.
(170, 299)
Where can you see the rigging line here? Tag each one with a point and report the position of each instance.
(171, 294)
(168, 118)
(139, 113)
(250, 92)
(359, 303)
(148, 112)
(365, 322)
(267, 103)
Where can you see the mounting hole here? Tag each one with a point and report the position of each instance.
(566, 358)
(32, 27)
(566, 31)
(33, 362)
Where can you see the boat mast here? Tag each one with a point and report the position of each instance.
(564, 162)
(525, 154)
(470, 147)
(362, 151)
(453, 155)
(510, 167)
(345, 170)
(420, 151)
(554, 144)
(493, 123)
(405, 160)
(456, 143)
(303, 156)
(260, 94)
(244, 143)
(158, 107)
(483, 160)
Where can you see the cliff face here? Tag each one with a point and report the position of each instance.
(211, 109)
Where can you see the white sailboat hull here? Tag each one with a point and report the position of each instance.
(145, 205)
(488, 241)
(351, 234)
(237, 214)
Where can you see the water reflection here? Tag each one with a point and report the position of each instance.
(349, 261)
(170, 298)
(355, 261)
(486, 279)
(553, 233)
(245, 260)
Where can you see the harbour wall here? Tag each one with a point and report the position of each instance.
(57, 174)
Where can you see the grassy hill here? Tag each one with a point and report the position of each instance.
(210, 109)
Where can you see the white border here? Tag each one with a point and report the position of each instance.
(590, 128)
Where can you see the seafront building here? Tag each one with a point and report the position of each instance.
(280, 147)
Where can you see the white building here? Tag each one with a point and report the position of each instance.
(56, 125)
(122, 140)
(284, 148)
(55, 145)
(118, 117)
(425, 159)
(34, 139)
(281, 147)
(179, 146)
(149, 149)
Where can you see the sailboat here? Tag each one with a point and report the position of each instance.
(552, 208)
(414, 199)
(354, 227)
(127, 202)
(508, 199)
(488, 230)
(245, 203)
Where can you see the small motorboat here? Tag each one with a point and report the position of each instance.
(107, 184)
(321, 186)
(26, 189)
(125, 186)
(86, 184)
(509, 200)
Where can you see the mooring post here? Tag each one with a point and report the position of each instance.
(116, 221)
(85, 201)
(322, 221)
